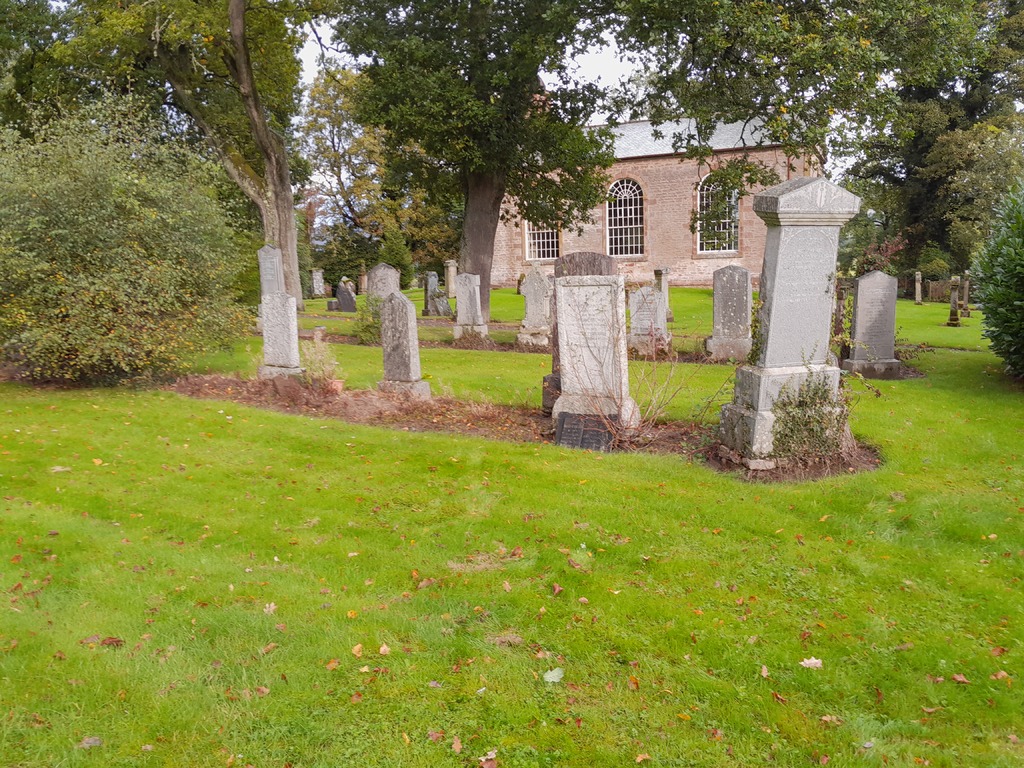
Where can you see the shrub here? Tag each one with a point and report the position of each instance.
(1000, 283)
(367, 322)
(115, 260)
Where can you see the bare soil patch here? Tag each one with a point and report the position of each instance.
(858, 458)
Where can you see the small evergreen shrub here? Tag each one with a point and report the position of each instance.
(1000, 283)
(810, 422)
(367, 322)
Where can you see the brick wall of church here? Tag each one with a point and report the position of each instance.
(670, 195)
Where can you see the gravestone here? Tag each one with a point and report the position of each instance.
(954, 300)
(468, 316)
(363, 280)
(648, 331)
(279, 319)
(346, 300)
(536, 328)
(917, 288)
(578, 264)
(435, 300)
(401, 349)
(733, 301)
(873, 333)
(661, 283)
(791, 348)
(965, 290)
(592, 339)
(451, 269)
(383, 280)
(318, 288)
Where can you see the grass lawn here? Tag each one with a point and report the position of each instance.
(204, 584)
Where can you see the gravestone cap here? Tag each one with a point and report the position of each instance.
(806, 202)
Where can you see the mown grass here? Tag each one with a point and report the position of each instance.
(243, 555)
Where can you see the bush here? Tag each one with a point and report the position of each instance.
(367, 322)
(115, 259)
(1000, 283)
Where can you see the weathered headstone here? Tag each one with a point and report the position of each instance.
(317, 288)
(791, 347)
(536, 328)
(468, 316)
(279, 319)
(661, 283)
(917, 288)
(451, 269)
(345, 298)
(965, 293)
(733, 301)
(401, 349)
(576, 264)
(648, 331)
(592, 337)
(435, 300)
(363, 280)
(383, 280)
(954, 300)
(873, 335)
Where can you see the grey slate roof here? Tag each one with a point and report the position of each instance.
(636, 139)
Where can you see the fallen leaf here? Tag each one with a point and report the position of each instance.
(405, 738)
(642, 756)
(262, 690)
(554, 675)
(811, 663)
(89, 741)
(269, 608)
(930, 710)
(634, 683)
(384, 650)
(357, 650)
(435, 736)
(779, 697)
(506, 586)
(584, 601)
(831, 719)
(90, 640)
(1000, 675)
(97, 462)
(268, 648)
(557, 588)
(356, 697)
(116, 642)
(490, 760)
(333, 664)
(457, 745)
(998, 650)
(764, 671)
(958, 678)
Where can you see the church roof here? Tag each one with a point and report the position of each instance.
(637, 139)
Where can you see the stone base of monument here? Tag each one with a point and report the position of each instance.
(585, 431)
(413, 390)
(625, 414)
(723, 349)
(458, 331)
(534, 337)
(748, 422)
(273, 371)
(333, 306)
(873, 369)
(649, 345)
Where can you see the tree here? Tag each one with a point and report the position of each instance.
(462, 83)
(115, 259)
(201, 57)
(1000, 275)
(954, 147)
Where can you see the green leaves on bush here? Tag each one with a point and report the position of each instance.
(1000, 276)
(115, 259)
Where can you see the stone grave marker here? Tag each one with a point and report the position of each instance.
(468, 316)
(592, 336)
(661, 283)
(317, 283)
(401, 349)
(363, 280)
(733, 299)
(346, 300)
(383, 280)
(451, 269)
(873, 333)
(435, 299)
(917, 288)
(536, 328)
(648, 331)
(954, 302)
(798, 292)
(578, 263)
(279, 319)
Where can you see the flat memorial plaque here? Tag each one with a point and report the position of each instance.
(585, 431)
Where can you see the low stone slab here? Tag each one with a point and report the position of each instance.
(585, 431)
(469, 318)
(733, 302)
(280, 336)
(873, 335)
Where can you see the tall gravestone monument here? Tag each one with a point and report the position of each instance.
(363, 279)
(732, 299)
(318, 288)
(594, 376)
(537, 290)
(401, 349)
(873, 335)
(279, 319)
(451, 269)
(344, 298)
(383, 280)
(576, 264)
(954, 302)
(791, 347)
(648, 329)
(917, 288)
(661, 283)
(469, 318)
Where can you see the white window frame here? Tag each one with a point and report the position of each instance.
(726, 229)
(551, 239)
(625, 236)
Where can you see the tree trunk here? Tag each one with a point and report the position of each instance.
(483, 193)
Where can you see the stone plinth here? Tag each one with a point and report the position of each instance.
(733, 302)
(873, 335)
(954, 302)
(648, 329)
(468, 316)
(280, 336)
(383, 280)
(536, 328)
(592, 338)
(661, 283)
(917, 288)
(797, 291)
(401, 349)
(451, 269)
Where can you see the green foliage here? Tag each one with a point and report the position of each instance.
(116, 258)
(810, 421)
(1000, 286)
(367, 323)
(934, 263)
(395, 251)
